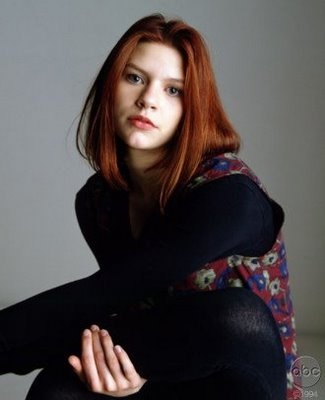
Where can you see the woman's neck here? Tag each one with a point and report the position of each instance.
(143, 197)
(144, 180)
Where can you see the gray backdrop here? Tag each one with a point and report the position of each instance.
(269, 61)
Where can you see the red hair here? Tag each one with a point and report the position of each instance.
(204, 128)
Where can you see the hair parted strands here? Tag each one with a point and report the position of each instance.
(204, 128)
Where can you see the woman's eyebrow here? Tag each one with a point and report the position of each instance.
(142, 71)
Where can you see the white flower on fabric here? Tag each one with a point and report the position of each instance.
(284, 329)
(294, 348)
(290, 380)
(234, 261)
(204, 278)
(267, 277)
(230, 156)
(235, 283)
(275, 286)
(270, 258)
(252, 263)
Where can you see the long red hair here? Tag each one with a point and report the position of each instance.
(204, 128)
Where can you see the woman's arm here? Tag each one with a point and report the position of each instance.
(224, 217)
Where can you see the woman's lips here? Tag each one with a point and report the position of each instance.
(141, 122)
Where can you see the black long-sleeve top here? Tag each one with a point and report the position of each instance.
(226, 216)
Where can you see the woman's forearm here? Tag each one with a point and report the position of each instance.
(36, 328)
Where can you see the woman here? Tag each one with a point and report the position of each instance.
(171, 215)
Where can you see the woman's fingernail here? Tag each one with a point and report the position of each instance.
(86, 332)
(118, 348)
(104, 332)
(71, 360)
(94, 328)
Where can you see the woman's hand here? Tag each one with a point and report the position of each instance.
(105, 368)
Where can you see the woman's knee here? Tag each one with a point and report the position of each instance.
(247, 312)
(233, 320)
(228, 383)
(236, 309)
(56, 384)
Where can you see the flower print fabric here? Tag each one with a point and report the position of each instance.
(266, 276)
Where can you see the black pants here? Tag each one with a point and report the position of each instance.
(223, 344)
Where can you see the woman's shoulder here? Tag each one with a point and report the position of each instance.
(223, 165)
(227, 178)
(94, 183)
(94, 192)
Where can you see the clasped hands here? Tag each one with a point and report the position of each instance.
(103, 367)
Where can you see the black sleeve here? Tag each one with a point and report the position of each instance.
(220, 218)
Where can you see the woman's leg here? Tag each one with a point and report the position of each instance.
(229, 332)
(229, 383)
(188, 338)
(62, 384)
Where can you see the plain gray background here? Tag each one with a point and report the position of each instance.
(269, 60)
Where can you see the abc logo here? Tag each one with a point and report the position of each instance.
(306, 371)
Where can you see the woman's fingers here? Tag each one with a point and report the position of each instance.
(115, 369)
(112, 361)
(129, 371)
(88, 361)
(105, 368)
(75, 363)
(104, 365)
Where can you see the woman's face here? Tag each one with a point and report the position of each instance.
(149, 98)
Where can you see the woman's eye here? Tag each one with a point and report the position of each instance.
(134, 78)
(173, 91)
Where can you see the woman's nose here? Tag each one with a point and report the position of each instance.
(148, 98)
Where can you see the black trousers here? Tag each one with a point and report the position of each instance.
(222, 344)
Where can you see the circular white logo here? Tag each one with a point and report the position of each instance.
(306, 371)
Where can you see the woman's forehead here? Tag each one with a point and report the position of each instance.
(158, 58)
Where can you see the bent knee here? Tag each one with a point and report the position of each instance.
(56, 384)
